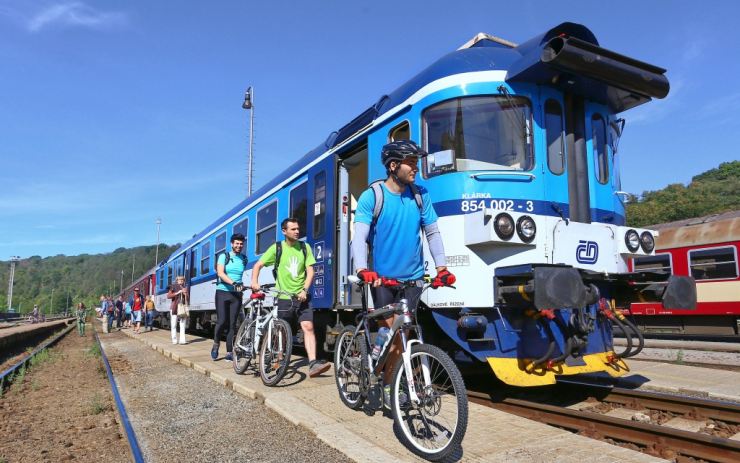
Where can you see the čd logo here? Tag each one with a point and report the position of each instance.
(587, 252)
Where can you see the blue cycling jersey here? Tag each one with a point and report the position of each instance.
(395, 238)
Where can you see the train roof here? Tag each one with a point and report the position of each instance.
(484, 52)
(709, 229)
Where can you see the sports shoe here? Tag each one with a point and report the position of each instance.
(214, 353)
(316, 367)
(403, 398)
(229, 357)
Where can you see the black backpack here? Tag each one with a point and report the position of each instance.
(279, 254)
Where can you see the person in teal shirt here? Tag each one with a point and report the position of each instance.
(294, 277)
(228, 294)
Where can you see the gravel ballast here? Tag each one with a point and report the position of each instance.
(181, 415)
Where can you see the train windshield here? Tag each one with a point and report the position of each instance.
(478, 133)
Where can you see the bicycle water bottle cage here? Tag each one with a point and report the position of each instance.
(260, 296)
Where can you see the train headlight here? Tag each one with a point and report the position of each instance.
(632, 240)
(503, 224)
(647, 242)
(525, 228)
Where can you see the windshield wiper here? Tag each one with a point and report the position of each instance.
(517, 115)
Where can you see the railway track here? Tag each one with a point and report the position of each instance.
(653, 438)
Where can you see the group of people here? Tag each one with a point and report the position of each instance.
(128, 313)
(406, 211)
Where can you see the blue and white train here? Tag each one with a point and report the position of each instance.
(523, 174)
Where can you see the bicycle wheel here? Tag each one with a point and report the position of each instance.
(350, 367)
(243, 350)
(275, 349)
(434, 427)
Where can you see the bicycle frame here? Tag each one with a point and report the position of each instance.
(263, 320)
(405, 322)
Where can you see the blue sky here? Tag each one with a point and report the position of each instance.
(115, 113)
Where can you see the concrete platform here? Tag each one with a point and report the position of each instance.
(15, 334)
(313, 403)
(698, 381)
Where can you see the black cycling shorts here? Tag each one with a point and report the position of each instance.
(294, 312)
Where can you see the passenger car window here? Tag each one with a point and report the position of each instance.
(266, 227)
(299, 206)
(713, 263)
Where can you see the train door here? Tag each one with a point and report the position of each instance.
(554, 165)
(352, 181)
(321, 194)
(600, 166)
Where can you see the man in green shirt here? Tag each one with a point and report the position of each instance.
(294, 276)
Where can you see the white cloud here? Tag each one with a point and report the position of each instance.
(75, 14)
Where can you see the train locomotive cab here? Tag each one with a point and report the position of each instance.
(523, 173)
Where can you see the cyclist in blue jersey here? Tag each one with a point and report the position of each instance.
(394, 234)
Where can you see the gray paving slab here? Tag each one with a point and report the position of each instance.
(708, 382)
(492, 435)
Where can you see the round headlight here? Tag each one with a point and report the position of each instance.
(503, 224)
(647, 242)
(525, 228)
(632, 240)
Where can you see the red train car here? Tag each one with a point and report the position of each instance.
(146, 284)
(705, 248)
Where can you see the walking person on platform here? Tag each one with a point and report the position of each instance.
(293, 274)
(112, 307)
(126, 315)
(81, 318)
(104, 312)
(394, 232)
(230, 270)
(136, 301)
(120, 309)
(150, 312)
(178, 293)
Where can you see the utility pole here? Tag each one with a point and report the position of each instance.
(249, 104)
(121, 280)
(51, 309)
(13, 260)
(133, 266)
(156, 253)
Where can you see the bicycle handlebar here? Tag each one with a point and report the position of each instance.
(392, 282)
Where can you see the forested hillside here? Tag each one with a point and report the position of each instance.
(716, 190)
(83, 278)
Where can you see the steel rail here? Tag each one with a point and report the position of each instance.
(658, 440)
(130, 434)
(6, 377)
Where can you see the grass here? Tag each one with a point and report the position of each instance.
(98, 406)
(41, 357)
(20, 375)
(94, 350)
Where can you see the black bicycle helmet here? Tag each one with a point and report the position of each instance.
(400, 150)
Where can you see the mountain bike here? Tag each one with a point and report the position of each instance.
(428, 398)
(264, 336)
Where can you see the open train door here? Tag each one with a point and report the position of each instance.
(352, 181)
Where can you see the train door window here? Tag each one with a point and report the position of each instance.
(170, 269)
(555, 137)
(266, 227)
(220, 245)
(319, 204)
(713, 263)
(299, 206)
(657, 263)
(242, 228)
(193, 263)
(160, 279)
(400, 132)
(205, 259)
(598, 140)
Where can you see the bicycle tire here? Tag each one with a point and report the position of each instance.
(271, 348)
(244, 337)
(350, 363)
(449, 394)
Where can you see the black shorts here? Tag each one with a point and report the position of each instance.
(383, 295)
(294, 312)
